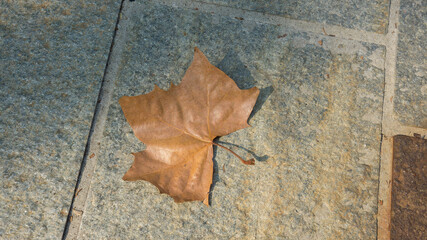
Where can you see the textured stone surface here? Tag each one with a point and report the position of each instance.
(411, 82)
(315, 134)
(52, 58)
(409, 191)
(364, 15)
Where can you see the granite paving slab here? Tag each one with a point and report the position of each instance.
(52, 60)
(364, 15)
(409, 190)
(411, 82)
(315, 134)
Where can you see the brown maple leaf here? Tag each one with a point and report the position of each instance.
(179, 125)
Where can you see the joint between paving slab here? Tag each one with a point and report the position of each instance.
(388, 125)
(298, 25)
(82, 189)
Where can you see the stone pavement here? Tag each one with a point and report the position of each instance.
(52, 61)
(337, 81)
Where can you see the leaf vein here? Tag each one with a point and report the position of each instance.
(182, 130)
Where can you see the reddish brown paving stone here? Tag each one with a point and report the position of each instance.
(409, 190)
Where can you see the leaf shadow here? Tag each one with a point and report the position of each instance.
(215, 175)
(264, 94)
(256, 156)
(239, 72)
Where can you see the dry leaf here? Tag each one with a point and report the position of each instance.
(179, 125)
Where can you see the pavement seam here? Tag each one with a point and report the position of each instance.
(390, 125)
(298, 25)
(387, 123)
(82, 189)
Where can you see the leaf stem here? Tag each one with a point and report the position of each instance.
(247, 162)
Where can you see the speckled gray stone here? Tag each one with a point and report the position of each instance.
(315, 135)
(52, 59)
(364, 15)
(410, 100)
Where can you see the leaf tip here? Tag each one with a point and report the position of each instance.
(199, 56)
(256, 91)
(206, 200)
(122, 99)
(125, 177)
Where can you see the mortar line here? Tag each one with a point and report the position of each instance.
(92, 149)
(388, 125)
(409, 131)
(298, 25)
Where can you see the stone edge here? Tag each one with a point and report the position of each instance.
(88, 165)
(390, 125)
